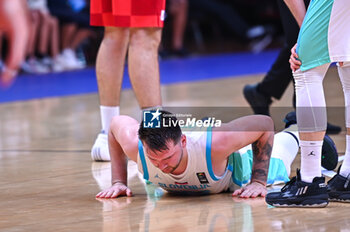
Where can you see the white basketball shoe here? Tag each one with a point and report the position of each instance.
(99, 151)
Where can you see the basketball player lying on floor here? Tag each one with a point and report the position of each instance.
(211, 160)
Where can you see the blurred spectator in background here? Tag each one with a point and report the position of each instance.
(14, 25)
(44, 36)
(258, 36)
(177, 10)
(74, 19)
(1, 41)
(216, 15)
(31, 63)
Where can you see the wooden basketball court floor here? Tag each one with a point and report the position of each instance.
(48, 182)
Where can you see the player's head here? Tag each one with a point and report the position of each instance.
(157, 139)
(164, 145)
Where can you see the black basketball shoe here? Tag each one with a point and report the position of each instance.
(257, 101)
(290, 119)
(339, 188)
(297, 193)
(329, 154)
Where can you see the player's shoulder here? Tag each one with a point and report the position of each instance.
(222, 142)
(123, 120)
(125, 130)
(123, 124)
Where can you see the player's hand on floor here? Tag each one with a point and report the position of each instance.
(251, 190)
(116, 190)
(293, 60)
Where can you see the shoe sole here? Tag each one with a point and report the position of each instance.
(339, 200)
(339, 196)
(319, 201)
(321, 205)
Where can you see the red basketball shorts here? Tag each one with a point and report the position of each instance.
(127, 13)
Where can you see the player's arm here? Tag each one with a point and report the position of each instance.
(297, 7)
(257, 130)
(122, 141)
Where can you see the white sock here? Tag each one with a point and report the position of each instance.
(345, 167)
(285, 147)
(107, 113)
(310, 160)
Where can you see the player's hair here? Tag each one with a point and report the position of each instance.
(157, 138)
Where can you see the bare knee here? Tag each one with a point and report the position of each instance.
(145, 38)
(116, 35)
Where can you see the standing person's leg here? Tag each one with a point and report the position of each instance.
(179, 11)
(110, 62)
(70, 40)
(31, 64)
(323, 38)
(57, 63)
(34, 18)
(68, 32)
(279, 76)
(49, 36)
(44, 34)
(339, 189)
(344, 74)
(54, 37)
(308, 188)
(46, 40)
(311, 119)
(143, 65)
(78, 28)
(109, 70)
(80, 36)
(259, 95)
(1, 41)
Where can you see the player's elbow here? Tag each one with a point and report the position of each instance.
(267, 123)
(264, 124)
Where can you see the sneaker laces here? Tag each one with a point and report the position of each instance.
(289, 183)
